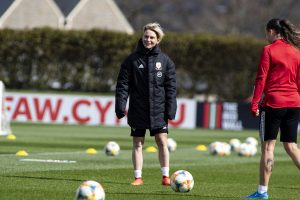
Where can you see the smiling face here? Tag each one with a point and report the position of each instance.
(150, 39)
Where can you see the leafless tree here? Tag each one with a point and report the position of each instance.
(213, 16)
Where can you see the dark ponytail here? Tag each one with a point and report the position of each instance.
(286, 29)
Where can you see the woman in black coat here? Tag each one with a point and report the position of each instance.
(148, 78)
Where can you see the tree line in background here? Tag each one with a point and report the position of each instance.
(89, 61)
(220, 17)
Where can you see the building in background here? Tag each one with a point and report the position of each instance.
(63, 14)
(22, 14)
(104, 14)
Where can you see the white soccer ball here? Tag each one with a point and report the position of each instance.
(219, 148)
(252, 141)
(112, 149)
(172, 145)
(182, 181)
(226, 149)
(90, 190)
(235, 144)
(247, 150)
(213, 147)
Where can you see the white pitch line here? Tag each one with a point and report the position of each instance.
(48, 160)
(47, 153)
(58, 153)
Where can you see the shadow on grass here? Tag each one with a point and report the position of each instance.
(44, 178)
(61, 179)
(174, 194)
(286, 187)
(157, 193)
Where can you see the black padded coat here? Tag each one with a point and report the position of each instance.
(148, 78)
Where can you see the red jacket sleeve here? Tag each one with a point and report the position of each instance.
(298, 78)
(261, 76)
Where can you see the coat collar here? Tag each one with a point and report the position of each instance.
(142, 50)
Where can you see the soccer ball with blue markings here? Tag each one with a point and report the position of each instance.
(90, 190)
(252, 141)
(182, 181)
(112, 149)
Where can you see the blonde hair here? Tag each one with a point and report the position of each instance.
(156, 28)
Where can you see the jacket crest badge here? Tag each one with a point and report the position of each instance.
(159, 74)
(158, 66)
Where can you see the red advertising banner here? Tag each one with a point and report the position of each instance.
(87, 110)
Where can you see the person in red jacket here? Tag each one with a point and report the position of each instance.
(276, 97)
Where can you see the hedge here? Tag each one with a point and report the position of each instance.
(89, 61)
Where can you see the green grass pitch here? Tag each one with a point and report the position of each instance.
(230, 177)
